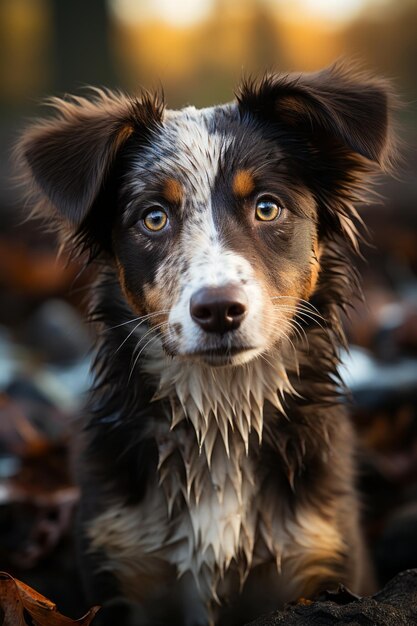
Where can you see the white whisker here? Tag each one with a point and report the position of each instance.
(134, 329)
(155, 329)
(141, 317)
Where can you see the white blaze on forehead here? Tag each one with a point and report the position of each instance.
(186, 148)
(200, 152)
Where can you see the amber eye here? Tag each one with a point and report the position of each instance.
(267, 210)
(155, 220)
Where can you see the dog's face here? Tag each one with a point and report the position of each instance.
(219, 233)
(215, 219)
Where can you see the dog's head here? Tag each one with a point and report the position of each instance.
(215, 219)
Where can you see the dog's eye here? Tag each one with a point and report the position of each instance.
(156, 219)
(267, 210)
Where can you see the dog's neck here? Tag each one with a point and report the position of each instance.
(219, 400)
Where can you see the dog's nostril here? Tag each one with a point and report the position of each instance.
(236, 310)
(201, 312)
(219, 309)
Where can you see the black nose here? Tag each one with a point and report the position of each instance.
(219, 309)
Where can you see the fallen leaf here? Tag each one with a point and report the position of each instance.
(18, 600)
(342, 595)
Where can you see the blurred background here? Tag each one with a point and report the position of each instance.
(198, 50)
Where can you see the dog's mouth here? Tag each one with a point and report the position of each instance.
(231, 355)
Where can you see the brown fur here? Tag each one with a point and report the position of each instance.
(173, 191)
(243, 183)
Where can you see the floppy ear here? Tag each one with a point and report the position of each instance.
(337, 103)
(67, 159)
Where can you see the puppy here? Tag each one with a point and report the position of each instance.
(216, 461)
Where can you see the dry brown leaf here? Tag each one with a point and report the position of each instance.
(16, 598)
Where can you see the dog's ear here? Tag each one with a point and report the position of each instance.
(66, 160)
(337, 104)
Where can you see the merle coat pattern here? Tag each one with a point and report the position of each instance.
(216, 468)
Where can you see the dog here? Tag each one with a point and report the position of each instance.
(216, 462)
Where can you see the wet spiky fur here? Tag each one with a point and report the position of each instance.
(212, 494)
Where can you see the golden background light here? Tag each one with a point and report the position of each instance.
(178, 13)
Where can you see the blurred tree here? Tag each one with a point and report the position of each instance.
(81, 51)
(388, 42)
(264, 42)
(24, 53)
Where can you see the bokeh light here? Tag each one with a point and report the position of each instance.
(178, 13)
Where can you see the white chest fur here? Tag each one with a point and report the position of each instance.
(212, 512)
(203, 512)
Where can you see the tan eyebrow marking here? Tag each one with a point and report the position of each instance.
(243, 183)
(173, 191)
